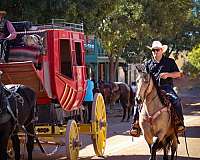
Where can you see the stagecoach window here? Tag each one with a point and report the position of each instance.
(78, 53)
(66, 59)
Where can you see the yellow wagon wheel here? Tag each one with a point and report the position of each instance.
(99, 124)
(72, 140)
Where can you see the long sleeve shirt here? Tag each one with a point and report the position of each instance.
(11, 30)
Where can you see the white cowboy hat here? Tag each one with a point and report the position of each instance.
(158, 45)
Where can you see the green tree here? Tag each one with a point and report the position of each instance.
(90, 13)
(165, 21)
(115, 31)
(193, 64)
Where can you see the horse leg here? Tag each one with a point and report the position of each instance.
(174, 147)
(128, 116)
(3, 147)
(16, 145)
(154, 148)
(124, 113)
(165, 156)
(30, 142)
(4, 137)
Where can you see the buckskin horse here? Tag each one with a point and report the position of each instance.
(156, 120)
(115, 91)
(17, 109)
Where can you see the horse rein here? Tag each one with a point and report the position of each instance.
(142, 101)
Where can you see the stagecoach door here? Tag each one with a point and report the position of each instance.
(65, 57)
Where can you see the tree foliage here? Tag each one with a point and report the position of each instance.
(164, 21)
(194, 57)
(125, 27)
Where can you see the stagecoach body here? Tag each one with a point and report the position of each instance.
(55, 72)
(51, 60)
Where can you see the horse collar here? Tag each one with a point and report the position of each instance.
(151, 118)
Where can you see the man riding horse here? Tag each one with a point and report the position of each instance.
(165, 70)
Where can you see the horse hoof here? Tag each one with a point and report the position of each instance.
(122, 120)
(127, 120)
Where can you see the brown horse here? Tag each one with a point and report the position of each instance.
(118, 91)
(155, 118)
(105, 90)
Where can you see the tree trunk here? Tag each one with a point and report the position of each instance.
(111, 70)
(113, 65)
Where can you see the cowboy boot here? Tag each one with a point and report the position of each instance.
(135, 129)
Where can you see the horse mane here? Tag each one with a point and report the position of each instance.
(162, 96)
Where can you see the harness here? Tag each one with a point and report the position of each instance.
(8, 93)
(151, 118)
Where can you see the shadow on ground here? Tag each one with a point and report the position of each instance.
(192, 132)
(135, 157)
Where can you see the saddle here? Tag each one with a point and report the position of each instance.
(165, 100)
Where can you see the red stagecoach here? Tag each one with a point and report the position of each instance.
(51, 60)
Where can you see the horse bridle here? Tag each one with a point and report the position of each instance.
(140, 102)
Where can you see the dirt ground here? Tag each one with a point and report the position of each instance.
(121, 146)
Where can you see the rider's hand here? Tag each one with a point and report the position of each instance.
(164, 75)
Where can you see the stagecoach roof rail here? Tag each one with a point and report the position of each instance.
(60, 23)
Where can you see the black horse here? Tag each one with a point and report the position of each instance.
(17, 109)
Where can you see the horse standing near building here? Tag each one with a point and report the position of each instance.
(156, 116)
(122, 92)
(118, 91)
(17, 110)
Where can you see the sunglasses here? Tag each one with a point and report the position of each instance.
(155, 50)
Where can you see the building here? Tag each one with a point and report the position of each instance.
(98, 61)
(196, 9)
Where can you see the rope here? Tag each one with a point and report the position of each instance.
(186, 146)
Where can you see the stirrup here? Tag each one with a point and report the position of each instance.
(180, 128)
(135, 130)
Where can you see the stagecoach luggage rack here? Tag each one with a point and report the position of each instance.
(60, 23)
(22, 26)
